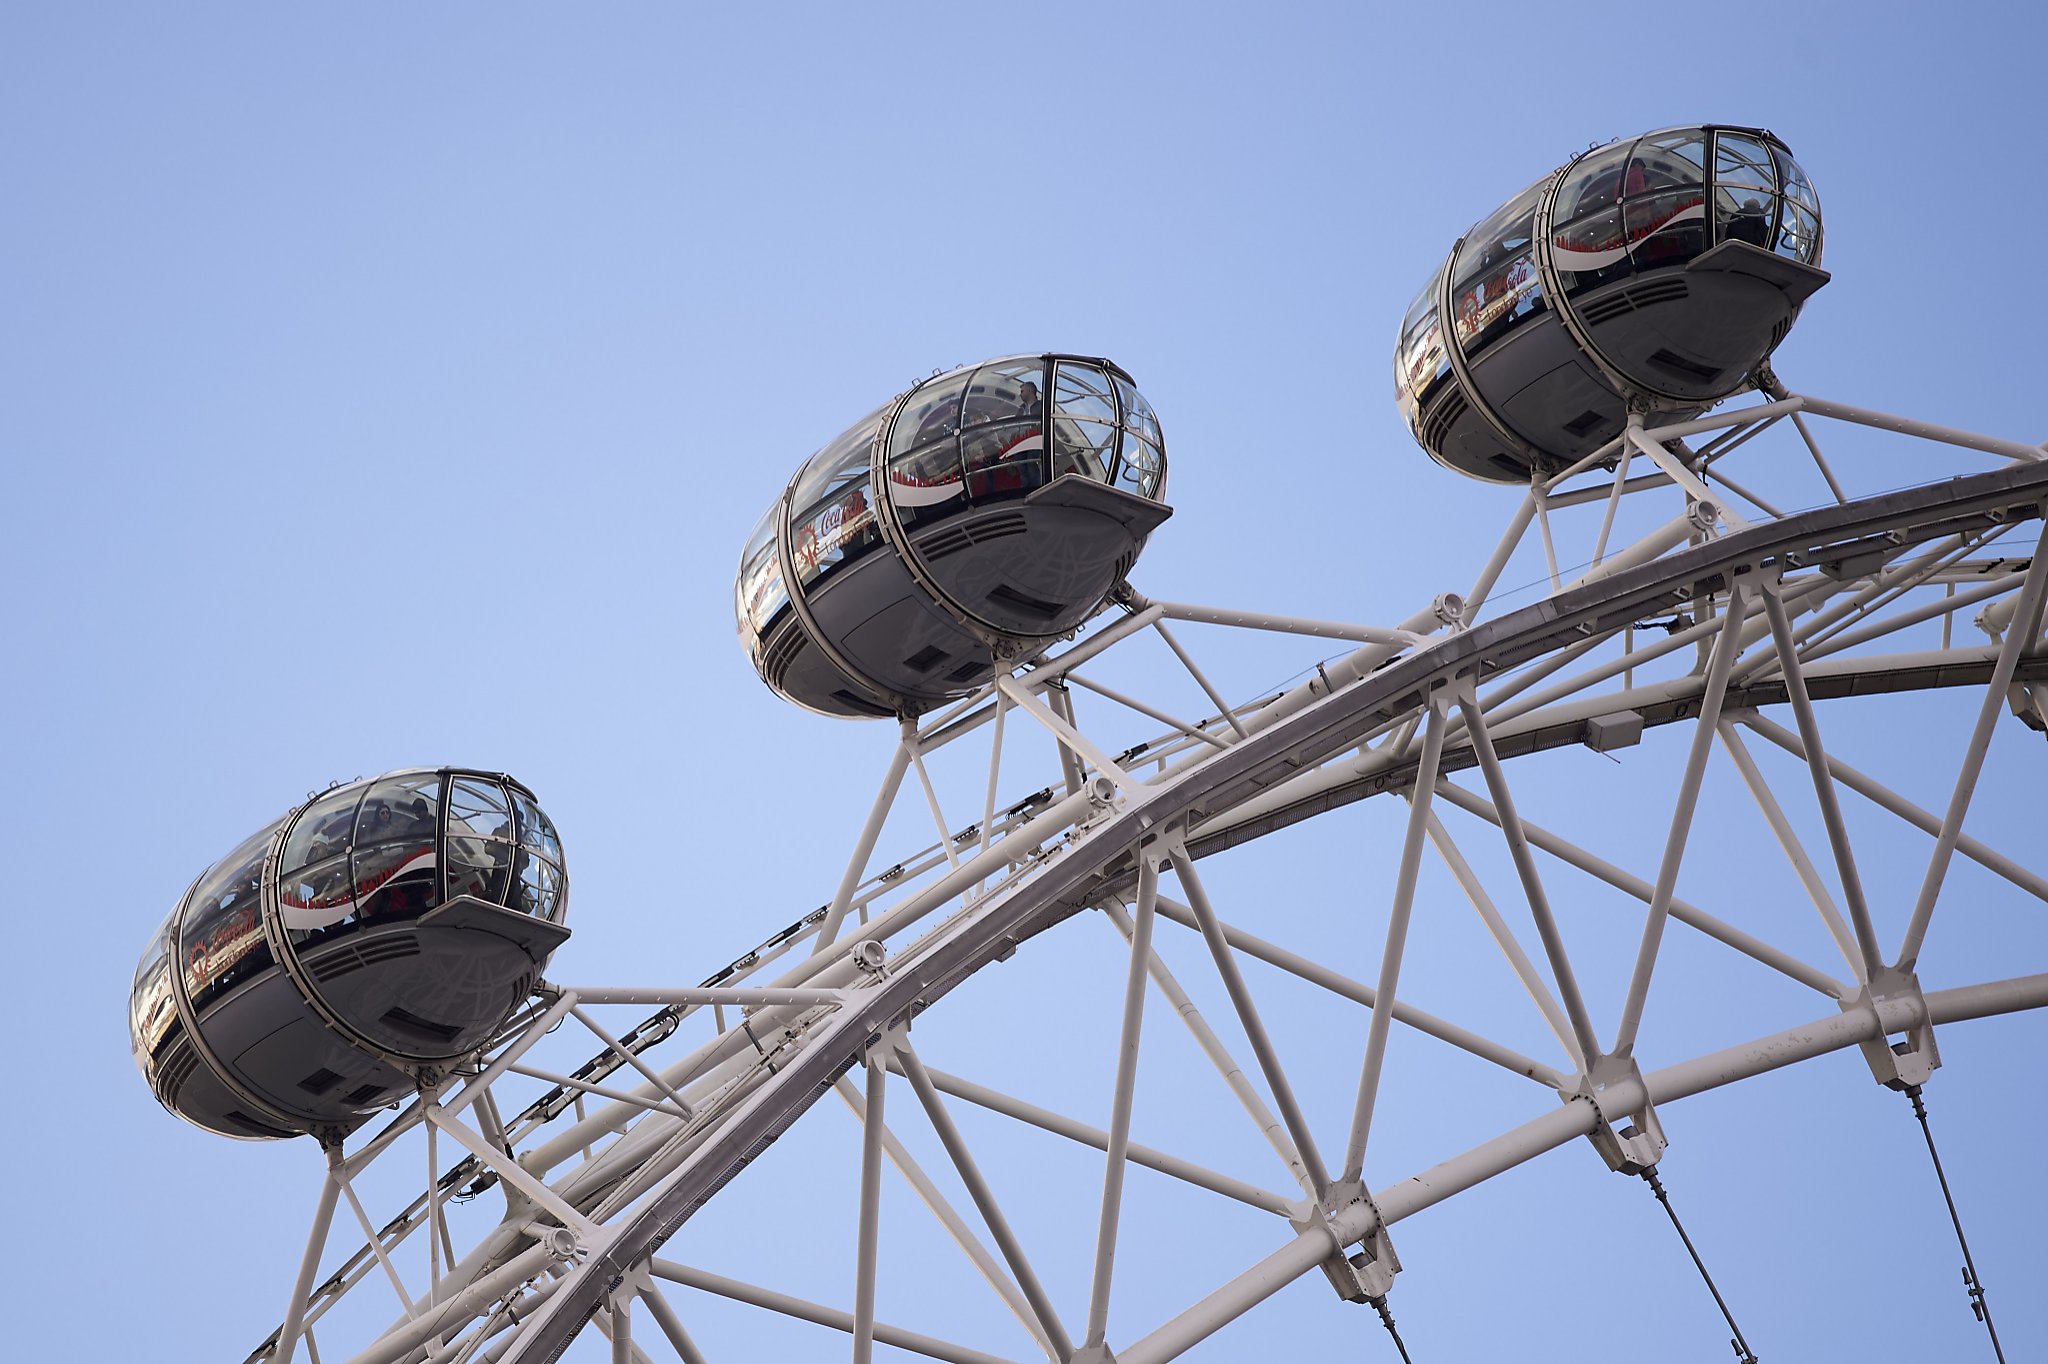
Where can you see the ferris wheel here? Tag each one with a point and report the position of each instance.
(1113, 820)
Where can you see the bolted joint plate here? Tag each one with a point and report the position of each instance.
(1630, 1139)
(1914, 1058)
(1368, 1272)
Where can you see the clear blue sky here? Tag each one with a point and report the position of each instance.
(389, 385)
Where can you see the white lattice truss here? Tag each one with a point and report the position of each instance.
(1763, 614)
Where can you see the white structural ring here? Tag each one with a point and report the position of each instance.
(1242, 792)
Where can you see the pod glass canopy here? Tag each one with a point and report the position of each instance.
(1659, 271)
(375, 934)
(954, 530)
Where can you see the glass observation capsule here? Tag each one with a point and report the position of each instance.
(339, 954)
(1661, 271)
(955, 529)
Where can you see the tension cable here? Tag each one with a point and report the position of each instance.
(1387, 1319)
(1737, 1344)
(1970, 1283)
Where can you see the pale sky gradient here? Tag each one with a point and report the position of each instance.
(390, 385)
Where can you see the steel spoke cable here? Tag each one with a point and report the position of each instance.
(1739, 1343)
(1971, 1284)
(1387, 1320)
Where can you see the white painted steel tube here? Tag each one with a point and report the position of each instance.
(1670, 535)
(1680, 833)
(316, 1242)
(1396, 944)
(1532, 881)
(1061, 664)
(1219, 1056)
(463, 1306)
(1503, 937)
(1129, 1037)
(1594, 492)
(1887, 799)
(1823, 787)
(789, 1306)
(995, 1101)
(1290, 625)
(864, 846)
(1973, 759)
(935, 1202)
(1340, 673)
(1255, 1030)
(1723, 420)
(671, 1326)
(1201, 679)
(1788, 842)
(1550, 1130)
(868, 1245)
(735, 994)
(1518, 526)
(834, 966)
(984, 1199)
(1946, 435)
(1360, 993)
(1683, 911)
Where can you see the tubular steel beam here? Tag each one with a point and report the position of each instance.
(1887, 799)
(1788, 843)
(1692, 915)
(1574, 1119)
(1121, 1100)
(1255, 1031)
(928, 1194)
(1823, 786)
(868, 1244)
(1343, 986)
(1504, 938)
(789, 1306)
(1324, 724)
(984, 1200)
(316, 1242)
(995, 1101)
(1725, 648)
(2018, 639)
(1270, 1127)
(1396, 944)
(1201, 679)
(671, 1326)
(1532, 881)
(864, 846)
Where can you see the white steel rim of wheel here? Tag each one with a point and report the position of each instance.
(1768, 621)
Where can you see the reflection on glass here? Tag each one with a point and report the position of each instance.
(833, 516)
(1796, 186)
(759, 591)
(1420, 361)
(1592, 185)
(1799, 235)
(1138, 414)
(1744, 164)
(394, 845)
(1501, 236)
(1139, 466)
(925, 483)
(220, 942)
(478, 867)
(151, 1010)
(1487, 308)
(1666, 229)
(1671, 159)
(930, 413)
(1084, 422)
